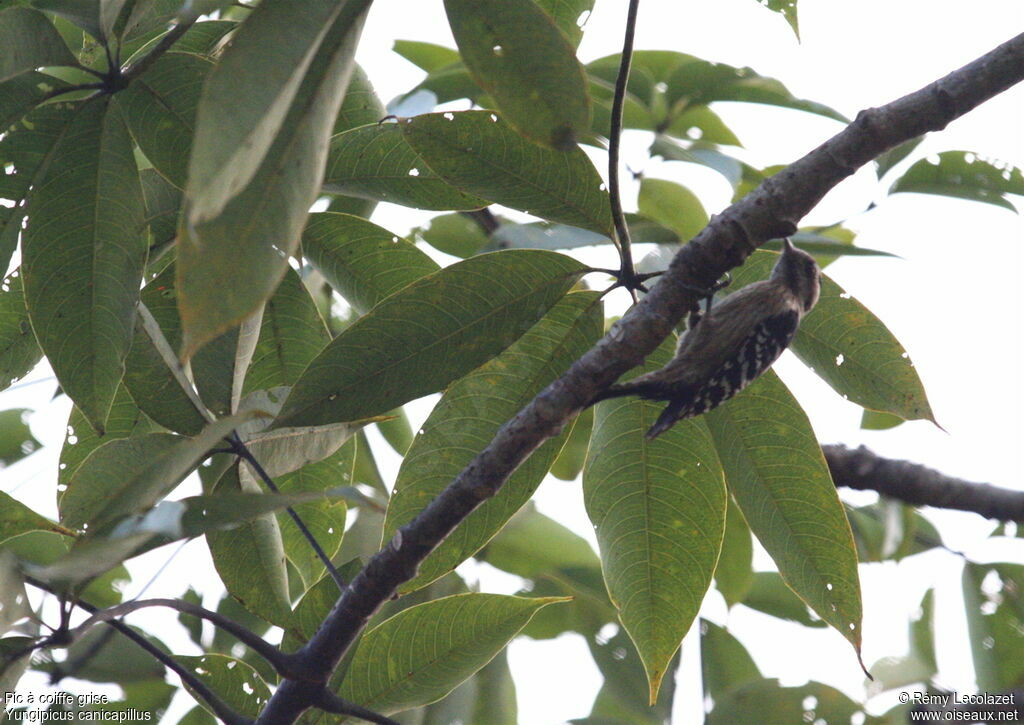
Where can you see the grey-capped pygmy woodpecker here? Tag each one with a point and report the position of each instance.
(730, 346)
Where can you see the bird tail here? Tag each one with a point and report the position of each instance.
(672, 413)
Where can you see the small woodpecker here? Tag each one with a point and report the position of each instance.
(732, 344)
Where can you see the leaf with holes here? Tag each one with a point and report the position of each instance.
(520, 57)
(19, 351)
(362, 261)
(405, 348)
(964, 175)
(778, 476)
(376, 162)
(658, 508)
(239, 686)
(849, 348)
(472, 410)
(479, 153)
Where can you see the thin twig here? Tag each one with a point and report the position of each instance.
(626, 273)
(284, 664)
(173, 35)
(241, 450)
(219, 707)
(329, 702)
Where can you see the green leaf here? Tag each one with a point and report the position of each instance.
(918, 665)
(237, 684)
(778, 476)
(403, 349)
(247, 98)
(160, 107)
(324, 518)
(153, 376)
(787, 9)
(467, 418)
(995, 622)
(41, 548)
(424, 652)
(360, 105)
(80, 439)
(851, 349)
(520, 57)
(26, 150)
(23, 92)
(109, 656)
(480, 154)
(426, 56)
(16, 519)
(250, 558)
(569, 15)
(874, 420)
(574, 453)
(246, 241)
(362, 261)
(767, 703)
(724, 661)
(769, 594)
(658, 508)
(292, 333)
(83, 255)
(163, 207)
(734, 573)
(128, 475)
(624, 697)
(697, 82)
(964, 175)
(889, 159)
(28, 41)
(455, 234)
(672, 205)
(19, 352)
(533, 545)
(376, 162)
(83, 13)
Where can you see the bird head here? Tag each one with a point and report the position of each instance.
(798, 271)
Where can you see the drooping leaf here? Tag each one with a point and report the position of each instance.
(520, 57)
(83, 255)
(787, 9)
(734, 573)
(376, 162)
(995, 623)
(769, 594)
(362, 261)
(424, 652)
(160, 106)
(574, 453)
(658, 508)
(850, 348)
(479, 153)
(778, 476)
(471, 412)
(28, 41)
(250, 558)
(246, 100)
(248, 240)
(455, 234)
(404, 349)
(964, 175)
(19, 351)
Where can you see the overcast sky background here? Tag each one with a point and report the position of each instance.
(952, 298)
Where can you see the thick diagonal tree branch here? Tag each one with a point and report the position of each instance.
(772, 210)
(919, 485)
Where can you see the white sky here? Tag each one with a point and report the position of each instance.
(953, 299)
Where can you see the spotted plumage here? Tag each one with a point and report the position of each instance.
(732, 345)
